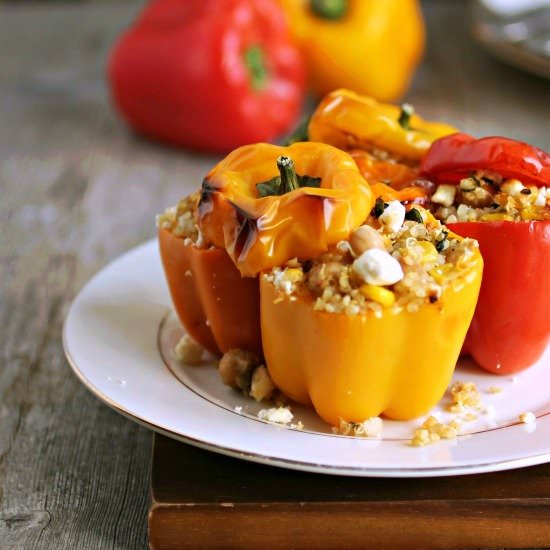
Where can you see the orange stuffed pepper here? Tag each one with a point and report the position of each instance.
(218, 308)
(259, 207)
(266, 204)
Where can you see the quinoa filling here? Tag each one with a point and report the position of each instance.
(487, 197)
(180, 219)
(399, 261)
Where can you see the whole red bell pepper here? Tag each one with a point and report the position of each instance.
(511, 325)
(210, 75)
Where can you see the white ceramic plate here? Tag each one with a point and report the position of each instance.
(119, 338)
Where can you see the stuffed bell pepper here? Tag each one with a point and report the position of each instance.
(219, 309)
(259, 207)
(265, 204)
(496, 190)
(375, 325)
(386, 141)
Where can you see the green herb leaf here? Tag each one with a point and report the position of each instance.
(440, 245)
(414, 215)
(379, 207)
(407, 111)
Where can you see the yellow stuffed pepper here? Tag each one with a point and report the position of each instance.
(375, 325)
(348, 121)
(387, 142)
(266, 204)
(371, 46)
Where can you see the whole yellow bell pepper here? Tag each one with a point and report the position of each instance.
(372, 46)
(351, 121)
(266, 204)
(355, 367)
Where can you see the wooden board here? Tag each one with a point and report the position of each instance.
(204, 500)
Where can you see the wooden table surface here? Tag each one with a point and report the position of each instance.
(77, 189)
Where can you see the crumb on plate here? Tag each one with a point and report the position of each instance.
(188, 352)
(371, 427)
(527, 417)
(432, 430)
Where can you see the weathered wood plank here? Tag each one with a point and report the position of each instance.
(73, 473)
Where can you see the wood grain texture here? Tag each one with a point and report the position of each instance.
(370, 526)
(77, 189)
(200, 500)
(186, 475)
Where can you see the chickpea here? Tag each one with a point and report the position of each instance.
(236, 368)
(364, 238)
(479, 197)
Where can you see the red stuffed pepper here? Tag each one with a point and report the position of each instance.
(496, 190)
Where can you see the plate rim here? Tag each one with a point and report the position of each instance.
(293, 464)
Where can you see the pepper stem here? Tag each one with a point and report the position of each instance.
(289, 178)
(407, 111)
(329, 9)
(254, 61)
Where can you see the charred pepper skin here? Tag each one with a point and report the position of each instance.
(260, 232)
(208, 75)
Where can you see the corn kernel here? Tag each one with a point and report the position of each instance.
(429, 251)
(378, 294)
(440, 272)
(294, 274)
(496, 217)
(530, 213)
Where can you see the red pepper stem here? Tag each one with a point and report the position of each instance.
(254, 61)
(289, 179)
